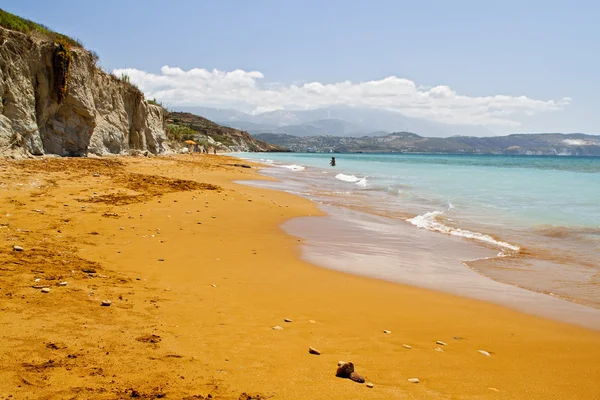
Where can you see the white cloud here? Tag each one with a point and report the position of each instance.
(246, 90)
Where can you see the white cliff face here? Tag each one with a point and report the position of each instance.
(99, 114)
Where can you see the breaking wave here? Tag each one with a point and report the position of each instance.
(430, 222)
(352, 179)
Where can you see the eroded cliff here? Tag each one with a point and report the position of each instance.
(56, 100)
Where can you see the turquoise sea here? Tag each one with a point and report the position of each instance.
(538, 217)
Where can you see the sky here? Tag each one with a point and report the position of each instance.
(512, 66)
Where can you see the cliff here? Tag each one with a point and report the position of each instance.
(182, 126)
(55, 100)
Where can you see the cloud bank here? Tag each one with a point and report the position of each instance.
(247, 91)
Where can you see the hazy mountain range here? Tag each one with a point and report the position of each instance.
(575, 144)
(335, 121)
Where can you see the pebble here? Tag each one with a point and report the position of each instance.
(37, 280)
(413, 380)
(440, 343)
(213, 285)
(345, 370)
(485, 353)
(62, 284)
(96, 175)
(287, 320)
(39, 286)
(370, 385)
(438, 349)
(46, 290)
(314, 351)
(356, 377)
(214, 216)
(89, 270)
(106, 303)
(493, 389)
(406, 346)
(277, 328)
(17, 248)
(312, 321)
(386, 331)
(161, 259)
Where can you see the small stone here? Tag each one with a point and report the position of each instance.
(106, 303)
(214, 216)
(439, 350)
(96, 175)
(39, 286)
(493, 389)
(277, 328)
(122, 228)
(440, 343)
(356, 377)
(485, 353)
(213, 285)
(386, 331)
(17, 248)
(370, 385)
(37, 280)
(406, 346)
(287, 320)
(88, 270)
(312, 321)
(62, 284)
(46, 290)
(161, 259)
(345, 370)
(314, 351)
(413, 380)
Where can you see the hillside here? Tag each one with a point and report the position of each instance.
(187, 126)
(575, 144)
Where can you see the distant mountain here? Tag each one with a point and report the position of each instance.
(336, 121)
(576, 144)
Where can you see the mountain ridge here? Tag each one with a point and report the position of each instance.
(353, 121)
(573, 144)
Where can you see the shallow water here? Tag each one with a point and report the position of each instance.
(456, 218)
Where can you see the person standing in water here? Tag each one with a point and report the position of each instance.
(332, 162)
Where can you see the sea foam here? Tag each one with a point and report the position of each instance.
(293, 167)
(430, 222)
(352, 179)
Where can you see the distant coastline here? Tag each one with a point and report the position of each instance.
(534, 144)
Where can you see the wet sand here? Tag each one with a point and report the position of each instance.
(199, 274)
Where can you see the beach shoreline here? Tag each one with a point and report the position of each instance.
(198, 276)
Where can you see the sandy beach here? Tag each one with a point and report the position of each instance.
(198, 271)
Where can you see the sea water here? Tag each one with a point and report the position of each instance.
(526, 221)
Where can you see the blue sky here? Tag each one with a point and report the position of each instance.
(470, 52)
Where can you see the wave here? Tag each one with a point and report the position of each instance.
(363, 182)
(430, 222)
(347, 178)
(293, 167)
(352, 179)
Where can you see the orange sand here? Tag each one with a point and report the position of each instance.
(219, 340)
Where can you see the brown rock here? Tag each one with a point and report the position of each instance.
(345, 370)
(312, 350)
(356, 377)
(88, 270)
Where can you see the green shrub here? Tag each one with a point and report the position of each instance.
(16, 23)
(61, 64)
